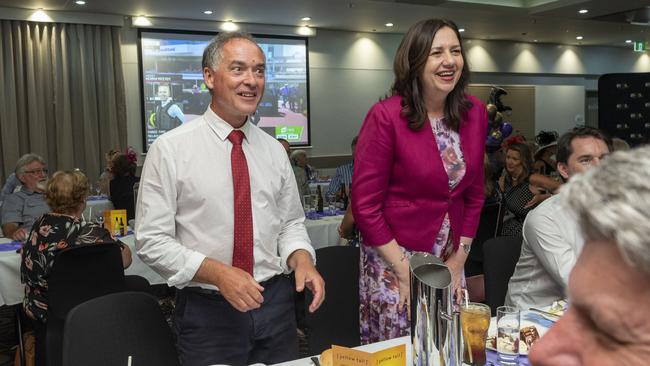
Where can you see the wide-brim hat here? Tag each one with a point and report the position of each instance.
(541, 149)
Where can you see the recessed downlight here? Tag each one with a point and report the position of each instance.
(80, 2)
(583, 11)
(461, 30)
(207, 12)
(628, 41)
(580, 38)
(389, 24)
(305, 19)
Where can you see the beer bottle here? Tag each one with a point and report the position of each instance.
(320, 199)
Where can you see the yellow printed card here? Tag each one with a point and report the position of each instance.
(394, 356)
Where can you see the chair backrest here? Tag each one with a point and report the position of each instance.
(79, 274)
(82, 273)
(108, 330)
(337, 320)
(500, 256)
(490, 224)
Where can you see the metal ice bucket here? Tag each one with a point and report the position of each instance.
(435, 325)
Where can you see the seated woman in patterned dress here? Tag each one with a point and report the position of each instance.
(62, 228)
(521, 189)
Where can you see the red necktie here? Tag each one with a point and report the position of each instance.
(242, 255)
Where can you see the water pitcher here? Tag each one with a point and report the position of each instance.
(435, 324)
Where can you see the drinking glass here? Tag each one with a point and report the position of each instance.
(98, 188)
(507, 335)
(306, 203)
(475, 321)
(100, 220)
(331, 204)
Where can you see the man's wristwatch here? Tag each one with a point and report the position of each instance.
(466, 247)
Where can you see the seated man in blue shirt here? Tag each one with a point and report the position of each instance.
(21, 208)
(343, 175)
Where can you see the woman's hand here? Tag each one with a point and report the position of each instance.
(456, 268)
(395, 256)
(401, 269)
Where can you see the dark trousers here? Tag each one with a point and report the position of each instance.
(210, 331)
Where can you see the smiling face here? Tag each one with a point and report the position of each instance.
(607, 321)
(444, 65)
(163, 92)
(237, 82)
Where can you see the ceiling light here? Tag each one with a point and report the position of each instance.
(628, 41)
(141, 21)
(583, 11)
(389, 24)
(305, 19)
(579, 38)
(534, 40)
(461, 30)
(207, 12)
(229, 26)
(80, 2)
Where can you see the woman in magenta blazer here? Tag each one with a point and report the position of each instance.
(418, 174)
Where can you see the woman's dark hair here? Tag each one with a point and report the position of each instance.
(122, 166)
(410, 59)
(526, 158)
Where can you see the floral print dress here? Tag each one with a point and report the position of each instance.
(51, 234)
(380, 315)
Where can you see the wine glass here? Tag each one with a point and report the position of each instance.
(98, 188)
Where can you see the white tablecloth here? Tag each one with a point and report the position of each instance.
(323, 232)
(11, 290)
(374, 347)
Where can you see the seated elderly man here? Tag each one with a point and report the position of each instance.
(609, 288)
(551, 238)
(21, 208)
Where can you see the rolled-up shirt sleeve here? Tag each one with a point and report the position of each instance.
(293, 234)
(155, 231)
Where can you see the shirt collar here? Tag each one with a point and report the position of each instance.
(223, 128)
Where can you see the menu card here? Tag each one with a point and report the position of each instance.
(394, 356)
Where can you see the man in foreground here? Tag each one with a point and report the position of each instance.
(219, 217)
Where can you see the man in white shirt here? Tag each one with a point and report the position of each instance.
(551, 238)
(189, 231)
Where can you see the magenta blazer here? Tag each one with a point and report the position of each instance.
(400, 188)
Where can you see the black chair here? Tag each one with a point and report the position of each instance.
(490, 224)
(500, 256)
(106, 331)
(78, 274)
(337, 320)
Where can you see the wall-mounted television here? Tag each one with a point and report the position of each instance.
(173, 91)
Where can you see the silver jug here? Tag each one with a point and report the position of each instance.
(435, 324)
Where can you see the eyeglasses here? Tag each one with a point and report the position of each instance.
(36, 171)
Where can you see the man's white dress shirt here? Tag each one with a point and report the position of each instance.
(551, 245)
(185, 202)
